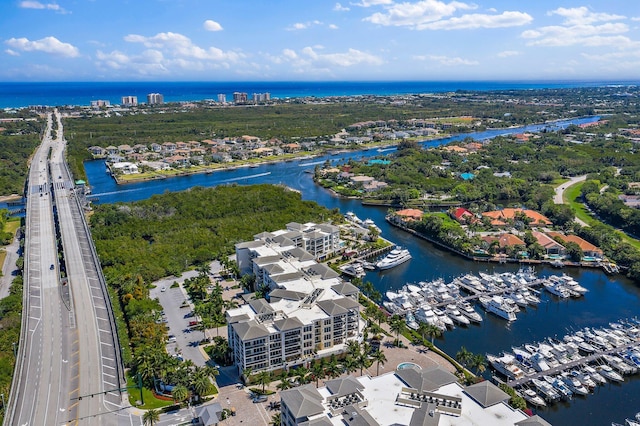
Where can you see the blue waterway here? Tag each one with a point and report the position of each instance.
(609, 298)
(14, 95)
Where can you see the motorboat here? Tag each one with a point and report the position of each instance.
(351, 217)
(368, 223)
(354, 269)
(608, 373)
(569, 283)
(467, 310)
(425, 314)
(506, 365)
(531, 298)
(442, 316)
(557, 289)
(539, 362)
(574, 384)
(560, 386)
(629, 422)
(533, 398)
(396, 257)
(550, 394)
(457, 317)
(584, 378)
(496, 305)
(410, 319)
(593, 373)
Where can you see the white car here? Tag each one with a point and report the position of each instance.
(163, 289)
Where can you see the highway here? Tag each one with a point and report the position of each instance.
(68, 369)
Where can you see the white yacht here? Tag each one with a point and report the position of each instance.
(609, 374)
(457, 317)
(574, 384)
(468, 311)
(425, 314)
(496, 305)
(506, 364)
(411, 321)
(533, 398)
(396, 257)
(547, 390)
(354, 269)
(556, 288)
(351, 217)
(368, 223)
(443, 317)
(593, 373)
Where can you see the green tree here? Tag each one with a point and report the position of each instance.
(398, 326)
(179, 393)
(151, 417)
(275, 420)
(379, 357)
(263, 378)
(463, 356)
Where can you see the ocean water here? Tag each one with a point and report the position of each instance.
(21, 94)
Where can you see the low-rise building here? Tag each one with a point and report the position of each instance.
(408, 396)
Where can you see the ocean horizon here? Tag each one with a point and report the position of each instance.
(24, 94)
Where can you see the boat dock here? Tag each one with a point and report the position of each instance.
(595, 357)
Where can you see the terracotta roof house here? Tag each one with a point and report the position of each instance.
(510, 214)
(409, 215)
(505, 240)
(588, 249)
(551, 246)
(463, 215)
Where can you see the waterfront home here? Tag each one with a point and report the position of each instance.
(551, 246)
(97, 151)
(408, 396)
(588, 249)
(409, 215)
(463, 215)
(504, 216)
(125, 149)
(140, 148)
(112, 150)
(176, 160)
(168, 148)
(125, 167)
(504, 240)
(156, 147)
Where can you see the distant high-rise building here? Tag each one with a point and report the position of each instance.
(222, 98)
(240, 97)
(100, 103)
(155, 99)
(129, 101)
(261, 97)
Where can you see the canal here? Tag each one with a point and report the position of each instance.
(608, 299)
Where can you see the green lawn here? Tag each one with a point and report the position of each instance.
(150, 401)
(572, 197)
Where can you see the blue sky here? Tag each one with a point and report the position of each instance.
(317, 40)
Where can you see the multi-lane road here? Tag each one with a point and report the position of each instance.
(68, 369)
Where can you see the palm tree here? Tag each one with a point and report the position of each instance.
(353, 348)
(263, 378)
(464, 356)
(151, 417)
(301, 373)
(430, 330)
(350, 364)
(379, 357)
(247, 374)
(275, 420)
(479, 363)
(333, 369)
(397, 326)
(179, 393)
(363, 360)
(317, 371)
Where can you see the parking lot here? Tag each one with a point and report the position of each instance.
(184, 342)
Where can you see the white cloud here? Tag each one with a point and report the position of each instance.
(11, 52)
(438, 15)
(579, 29)
(479, 20)
(346, 59)
(608, 34)
(369, 3)
(28, 4)
(315, 61)
(340, 8)
(149, 62)
(47, 44)
(508, 53)
(583, 16)
(446, 60)
(416, 14)
(178, 45)
(210, 25)
(303, 25)
(333, 27)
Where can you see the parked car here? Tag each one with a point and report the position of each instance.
(171, 339)
(193, 323)
(260, 398)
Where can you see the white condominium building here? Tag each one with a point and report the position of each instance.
(310, 312)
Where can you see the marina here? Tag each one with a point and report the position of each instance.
(610, 297)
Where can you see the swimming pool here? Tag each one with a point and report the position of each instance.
(405, 365)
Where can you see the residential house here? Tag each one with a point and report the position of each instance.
(168, 148)
(97, 151)
(551, 246)
(589, 250)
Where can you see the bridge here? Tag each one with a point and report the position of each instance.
(68, 367)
